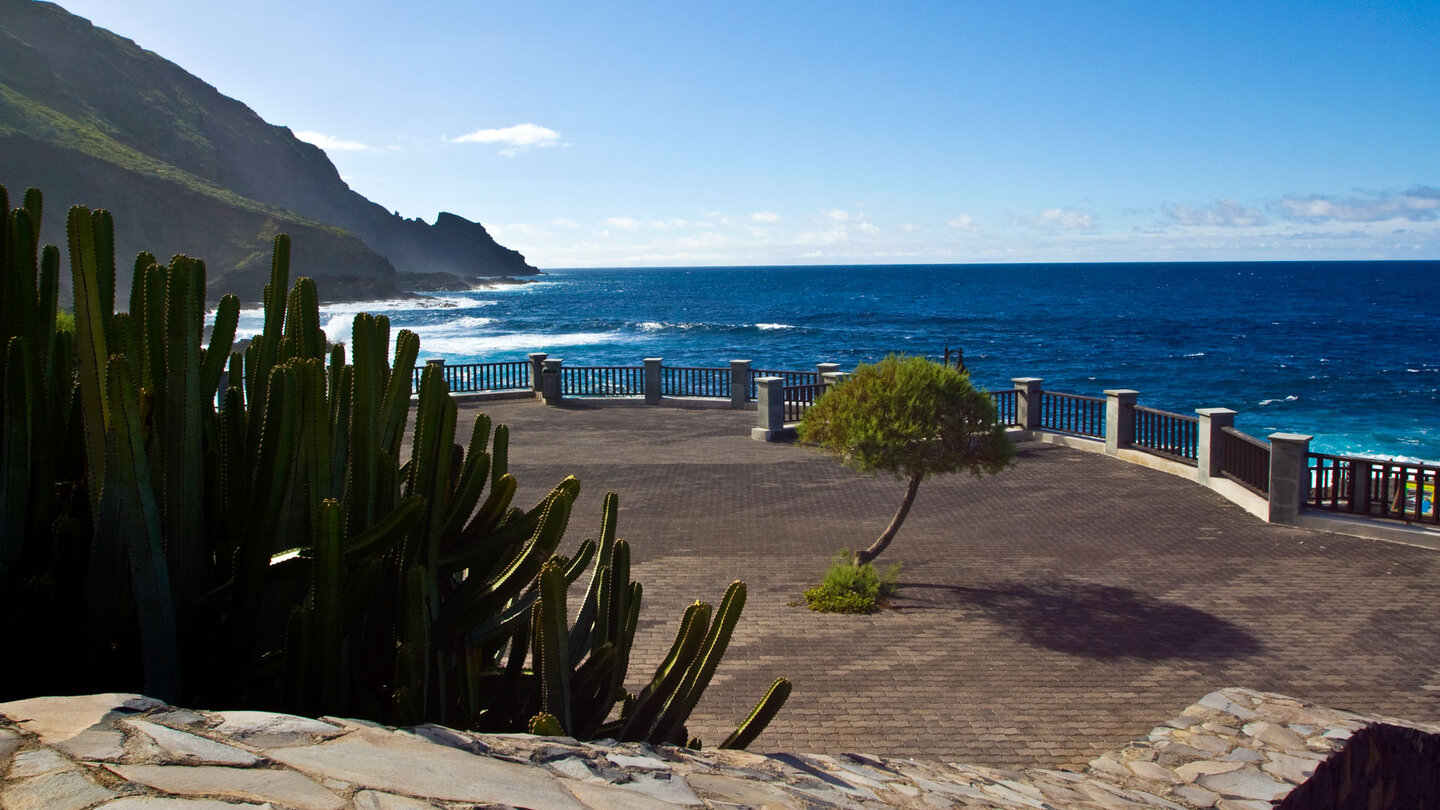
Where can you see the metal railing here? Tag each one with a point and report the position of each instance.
(602, 381)
(1377, 488)
(681, 381)
(791, 378)
(1006, 406)
(1167, 434)
(469, 377)
(1073, 413)
(798, 398)
(1246, 459)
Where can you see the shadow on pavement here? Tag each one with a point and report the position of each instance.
(1094, 621)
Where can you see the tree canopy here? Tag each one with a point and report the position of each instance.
(912, 418)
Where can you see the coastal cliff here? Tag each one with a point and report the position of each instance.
(92, 118)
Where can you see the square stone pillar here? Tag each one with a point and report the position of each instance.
(1289, 475)
(537, 364)
(739, 383)
(438, 362)
(1119, 419)
(1210, 441)
(830, 379)
(826, 368)
(550, 381)
(1027, 401)
(1360, 472)
(770, 408)
(652, 380)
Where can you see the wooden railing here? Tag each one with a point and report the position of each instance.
(602, 381)
(1006, 406)
(470, 377)
(1245, 459)
(1379, 488)
(1073, 413)
(680, 381)
(798, 398)
(1167, 434)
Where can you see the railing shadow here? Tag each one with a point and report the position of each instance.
(1094, 621)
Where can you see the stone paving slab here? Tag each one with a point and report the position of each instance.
(1046, 615)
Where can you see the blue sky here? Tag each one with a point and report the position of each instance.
(640, 133)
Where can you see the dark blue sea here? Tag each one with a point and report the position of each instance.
(1346, 351)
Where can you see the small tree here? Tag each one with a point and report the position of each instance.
(910, 417)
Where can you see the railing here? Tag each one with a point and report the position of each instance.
(791, 378)
(1006, 406)
(602, 381)
(1373, 487)
(1167, 434)
(798, 398)
(1245, 459)
(679, 381)
(468, 377)
(1072, 413)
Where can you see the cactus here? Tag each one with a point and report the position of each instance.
(276, 551)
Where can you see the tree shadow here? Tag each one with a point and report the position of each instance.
(1094, 621)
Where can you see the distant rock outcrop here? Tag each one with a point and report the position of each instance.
(91, 118)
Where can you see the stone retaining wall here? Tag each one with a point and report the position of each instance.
(1236, 749)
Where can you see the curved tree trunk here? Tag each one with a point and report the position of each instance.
(862, 557)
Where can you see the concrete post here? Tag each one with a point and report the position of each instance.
(1360, 472)
(826, 368)
(550, 381)
(1289, 475)
(770, 408)
(830, 379)
(1027, 401)
(1209, 440)
(438, 362)
(652, 380)
(1119, 418)
(537, 364)
(739, 383)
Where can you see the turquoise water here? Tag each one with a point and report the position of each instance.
(1346, 351)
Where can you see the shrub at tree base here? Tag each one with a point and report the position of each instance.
(912, 418)
(278, 551)
(850, 588)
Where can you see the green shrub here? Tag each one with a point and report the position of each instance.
(850, 588)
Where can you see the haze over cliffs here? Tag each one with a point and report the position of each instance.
(91, 118)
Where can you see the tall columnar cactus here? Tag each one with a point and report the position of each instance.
(274, 547)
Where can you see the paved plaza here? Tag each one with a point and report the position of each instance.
(1045, 615)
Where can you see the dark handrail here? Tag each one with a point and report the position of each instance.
(798, 398)
(1163, 433)
(1006, 407)
(602, 381)
(684, 381)
(1246, 459)
(471, 377)
(1073, 413)
(1372, 487)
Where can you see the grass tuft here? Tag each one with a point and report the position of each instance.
(848, 588)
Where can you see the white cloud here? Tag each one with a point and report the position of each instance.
(515, 139)
(623, 223)
(1059, 219)
(1225, 213)
(838, 214)
(910, 227)
(962, 222)
(866, 227)
(562, 222)
(765, 217)
(1419, 204)
(330, 142)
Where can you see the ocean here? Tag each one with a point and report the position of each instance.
(1348, 352)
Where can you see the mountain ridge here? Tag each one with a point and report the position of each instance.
(91, 118)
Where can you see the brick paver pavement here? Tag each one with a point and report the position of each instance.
(1045, 615)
